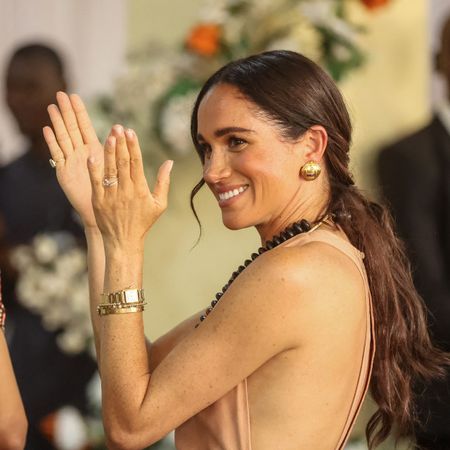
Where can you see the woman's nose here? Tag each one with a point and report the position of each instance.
(216, 167)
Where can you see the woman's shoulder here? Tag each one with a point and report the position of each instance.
(297, 290)
(309, 272)
(316, 255)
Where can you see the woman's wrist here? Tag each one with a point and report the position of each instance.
(92, 230)
(123, 269)
(123, 249)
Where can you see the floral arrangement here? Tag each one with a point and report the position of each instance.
(156, 94)
(53, 283)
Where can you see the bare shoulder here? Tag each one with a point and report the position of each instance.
(308, 285)
(316, 265)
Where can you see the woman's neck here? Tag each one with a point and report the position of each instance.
(311, 209)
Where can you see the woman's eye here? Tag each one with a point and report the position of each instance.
(234, 141)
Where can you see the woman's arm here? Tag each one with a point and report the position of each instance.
(13, 422)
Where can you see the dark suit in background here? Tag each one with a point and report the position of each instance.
(415, 180)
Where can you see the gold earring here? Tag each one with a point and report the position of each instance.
(310, 171)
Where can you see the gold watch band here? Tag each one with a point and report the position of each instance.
(125, 296)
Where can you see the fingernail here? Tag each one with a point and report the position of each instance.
(118, 129)
(170, 164)
(130, 133)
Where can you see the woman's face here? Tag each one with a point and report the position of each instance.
(252, 171)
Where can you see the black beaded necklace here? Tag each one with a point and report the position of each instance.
(302, 226)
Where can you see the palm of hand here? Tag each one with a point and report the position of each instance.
(71, 143)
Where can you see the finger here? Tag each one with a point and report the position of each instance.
(55, 150)
(110, 168)
(122, 156)
(162, 184)
(61, 133)
(69, 118)
(136, 164)
(83, 119)
(95, 169)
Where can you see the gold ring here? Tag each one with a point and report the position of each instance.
(53, 162)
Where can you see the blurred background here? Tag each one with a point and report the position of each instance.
(140, 62)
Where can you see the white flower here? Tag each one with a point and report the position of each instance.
(70, 430)
(341, 52)
(232, 30)
(79, 298)
(71, 262)
(55, 317)
(322, 13)
(58, 292)
(21, 257)
(214, 11)
(72, 341)
(261, 7)
(175, 120)
(28, 295)
(45, 248)
(51, 284)
(303, 38)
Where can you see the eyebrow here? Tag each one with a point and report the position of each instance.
(224, 131)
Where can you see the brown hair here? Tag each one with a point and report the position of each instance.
(296, 94)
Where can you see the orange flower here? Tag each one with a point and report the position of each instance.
(204, 39)
(373, 4)
(47, 426)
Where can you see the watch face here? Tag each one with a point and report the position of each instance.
(131, 296)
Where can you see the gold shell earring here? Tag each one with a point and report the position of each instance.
(310, 171)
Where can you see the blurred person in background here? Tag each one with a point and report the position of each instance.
(13, 423)
(415, 179)
(31, 202)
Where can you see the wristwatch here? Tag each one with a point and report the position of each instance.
(126, 296)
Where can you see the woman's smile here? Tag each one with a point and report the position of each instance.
(229, 195)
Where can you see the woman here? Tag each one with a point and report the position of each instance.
(13, 422)
(284, 355)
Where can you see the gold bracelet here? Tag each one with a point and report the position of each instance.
(2, 315)
(105, 309)
(125, 296)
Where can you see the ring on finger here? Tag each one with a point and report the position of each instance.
(110, 181)
(53, 162)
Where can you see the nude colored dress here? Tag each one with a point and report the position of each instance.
(225, 425)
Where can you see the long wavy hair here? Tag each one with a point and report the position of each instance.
(295, 93)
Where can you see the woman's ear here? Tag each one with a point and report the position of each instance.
(315, 142)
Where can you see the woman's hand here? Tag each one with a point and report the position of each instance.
(71, 143)
(124, 206)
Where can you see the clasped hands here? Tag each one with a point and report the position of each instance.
(105, 184)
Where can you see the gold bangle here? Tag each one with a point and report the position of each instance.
(110, 308)
(2, 315)
(125, 296)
